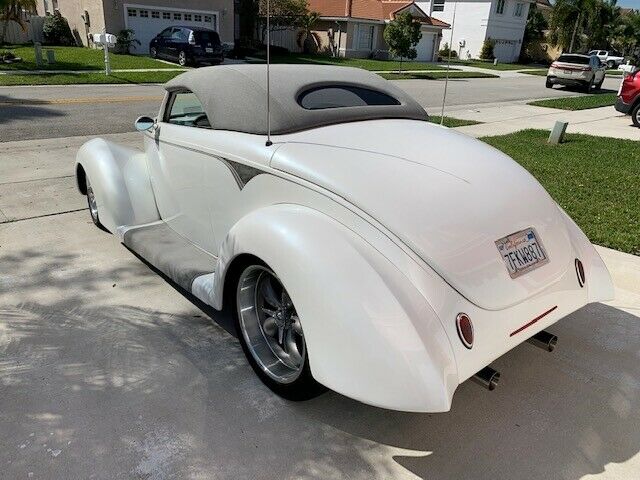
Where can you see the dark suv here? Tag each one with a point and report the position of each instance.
(187, 45)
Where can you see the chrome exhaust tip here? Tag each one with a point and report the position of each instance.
(544, 340)
(487, 377)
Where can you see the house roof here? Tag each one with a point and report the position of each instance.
(381, 10)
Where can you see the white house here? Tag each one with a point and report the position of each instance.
(502, 21)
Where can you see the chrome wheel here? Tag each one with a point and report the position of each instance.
(153, 52)
(182, 58)
(91, 200)
(270, 325)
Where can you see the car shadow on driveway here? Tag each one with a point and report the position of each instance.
(115, 390)
(14, 110)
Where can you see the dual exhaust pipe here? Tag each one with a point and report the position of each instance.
(489, 378)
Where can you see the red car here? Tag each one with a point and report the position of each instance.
(629, 95)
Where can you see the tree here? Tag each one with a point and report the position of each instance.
(402, 35)
(125, 40)
(56, 30)
(487, 49)
(307, 38)
(536, 25)
(12, 10)
(283, 15)
(569, 19)
(601, 24)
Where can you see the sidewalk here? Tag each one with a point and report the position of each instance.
(501, 119)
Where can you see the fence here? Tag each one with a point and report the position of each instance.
(286, 38)
(15, 34)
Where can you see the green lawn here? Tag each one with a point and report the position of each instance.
(70, 78)
(364, 63)
(77, 58)
(595, 179)
(452, 122)
(578, 103)
(435, 75)
(489, 64)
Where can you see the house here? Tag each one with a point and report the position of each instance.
(354, 28)
(145, 17)
(502, 21)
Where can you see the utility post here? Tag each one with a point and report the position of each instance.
(105, 45)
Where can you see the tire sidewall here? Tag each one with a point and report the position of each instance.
(635, 113)
(305, 386)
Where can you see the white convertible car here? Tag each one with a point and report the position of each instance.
(362, 249)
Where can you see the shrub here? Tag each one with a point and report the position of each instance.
(125, 40)
(487, 49)
(445, 50)
(56, 30)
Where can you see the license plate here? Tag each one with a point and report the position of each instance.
(208, 50)
(521, 252)
(567, 72)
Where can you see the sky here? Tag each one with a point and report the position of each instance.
(629, 3)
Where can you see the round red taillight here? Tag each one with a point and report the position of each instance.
(580, 273)
(465, 329)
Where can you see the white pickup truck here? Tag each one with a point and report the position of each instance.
(607, 57)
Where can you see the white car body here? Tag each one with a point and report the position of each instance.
(382, 230)
(577, 70)
(605, 57)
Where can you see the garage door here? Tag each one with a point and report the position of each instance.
(504, 50)
(425, 47)
(147, 22)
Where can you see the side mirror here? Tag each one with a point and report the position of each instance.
(144, 123)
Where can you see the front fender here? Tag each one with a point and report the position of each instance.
(370, 335)
(120, 180)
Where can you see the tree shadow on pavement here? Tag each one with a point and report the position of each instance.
(15, 110)
(93, 385)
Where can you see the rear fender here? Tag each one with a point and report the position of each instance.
(120, 180)
(370, 334)
(599, 284)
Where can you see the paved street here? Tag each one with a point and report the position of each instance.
(109, 372)
(47, 112)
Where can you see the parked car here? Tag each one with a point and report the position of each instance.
(359, 247)
(573, 69)
(629, 95)
(608, 58)
(187, 46)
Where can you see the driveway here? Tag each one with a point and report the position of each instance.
(109, 372)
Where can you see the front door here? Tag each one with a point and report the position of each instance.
(178, 169)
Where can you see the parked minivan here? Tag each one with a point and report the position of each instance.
(187, 45)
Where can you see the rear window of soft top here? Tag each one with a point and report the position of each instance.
(340, 96)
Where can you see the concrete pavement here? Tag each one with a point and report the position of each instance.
(507, 118)
(107, 371)
(52, 111)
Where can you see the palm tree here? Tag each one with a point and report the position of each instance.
(12, 10)
(308, 40)
(574, 13)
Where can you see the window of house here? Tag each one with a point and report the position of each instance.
(365, 37)
(155, 14)
(186, 110)
(438, 5)
(337, 96)
(54, 3)
(132, 12)
(197, 18)
(500, 7)
(46, 6)
(187, 17)
(519, 10)
(207, 18)
(144, 13)
(166, 16)
(177, 16)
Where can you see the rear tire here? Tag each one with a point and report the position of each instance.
(635, 115)
(153, 53)
(599, 84)
(549, 83)
(588, 85)
(271, 335)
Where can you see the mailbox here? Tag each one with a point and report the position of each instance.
(102, 39)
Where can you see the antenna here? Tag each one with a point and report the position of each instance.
(446, 81)
(269, 142)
